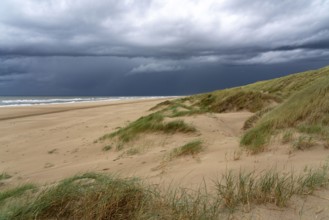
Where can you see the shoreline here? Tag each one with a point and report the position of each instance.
(74, 100)
(15, 112)
(30, 134)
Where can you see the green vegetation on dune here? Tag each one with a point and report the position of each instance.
(307, 110)
(4, 176)
(107, 148)
(191, 148)
(97, 196)
(286, 86)
(269, 187)
(298, 101)
(87, 196)
(252, 97)
(150, 123)
(228, 100)
(237, 99)
(260, 95)
(18, 191)
(178, 108)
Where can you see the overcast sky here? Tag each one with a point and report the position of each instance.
(156, 47)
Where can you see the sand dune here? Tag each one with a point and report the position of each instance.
(44, 144)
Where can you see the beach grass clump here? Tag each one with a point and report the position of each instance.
(147, 123)
(315, 129)
(236, 99)
(4, 176)
(286, 86)
(177, 126)
(194, 111)
(107, 147)
(312, 180)
(287, 136)
(161, 105)
(88, 196)
(303, 143)
(15, 192)
(179, 108)
(150, 123)
(132, 151)
(268, 187)
(192, 148)
(98, 196)
(307, 109)
(252, 101)
(189, 204)
(257, 138)
(251, 121)
(12, 199)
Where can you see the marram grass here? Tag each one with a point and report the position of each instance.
(150, 123)
(306, 110)
(192, 148)
(298, 101)
(97, 196)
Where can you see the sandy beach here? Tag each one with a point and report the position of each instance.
(50, 142)
(44, 144)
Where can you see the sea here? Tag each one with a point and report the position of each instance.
(7, 101)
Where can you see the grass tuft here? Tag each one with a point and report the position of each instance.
(161, 105)
(287, 137)
(242, 99)
(251, 121)
(132, 151)
(97, 196)
(151, 123)
(4, 176)
(191, 148)
(177, 126)
(16, 192)
(107, 148)
(88, 196)
(303, 143)
(269, 187)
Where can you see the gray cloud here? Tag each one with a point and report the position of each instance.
(13, 66)
(157, 28)
(82, 45)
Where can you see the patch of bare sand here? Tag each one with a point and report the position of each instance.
(46, 144)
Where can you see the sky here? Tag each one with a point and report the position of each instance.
(156, 47)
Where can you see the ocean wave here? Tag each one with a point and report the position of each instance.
(28, 101)
(39, 100)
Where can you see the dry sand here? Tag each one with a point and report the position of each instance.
(44, 144)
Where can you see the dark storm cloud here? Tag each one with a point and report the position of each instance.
(11, 66)
(158, 28)
(82, 45)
